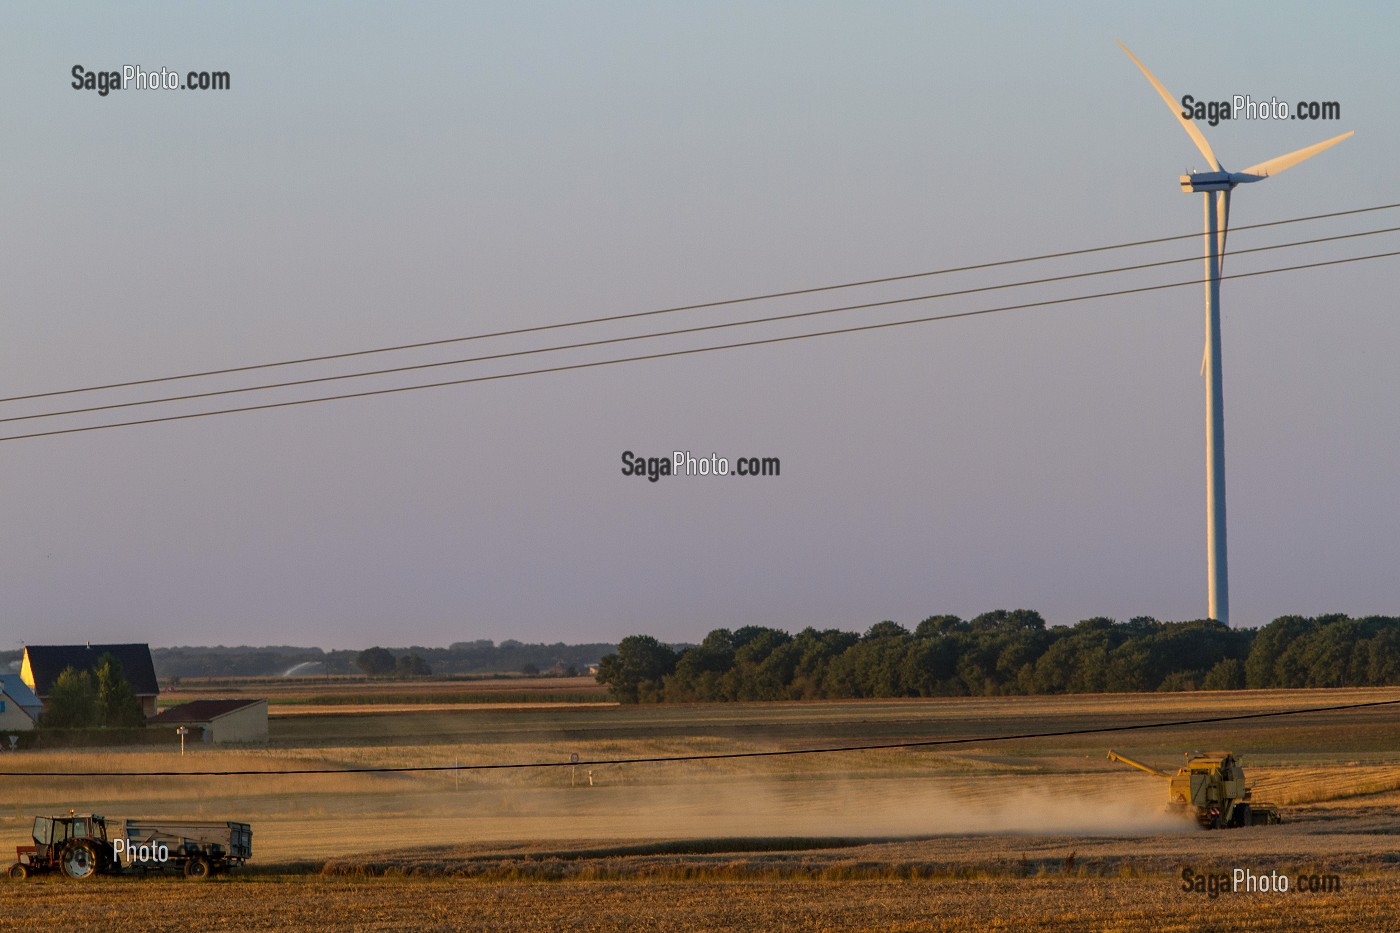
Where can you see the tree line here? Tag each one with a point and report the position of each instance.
(464, 657)
(1005, 653)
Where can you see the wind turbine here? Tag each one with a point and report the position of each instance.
(1216, 185)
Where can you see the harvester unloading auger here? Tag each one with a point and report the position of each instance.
(1211, 787)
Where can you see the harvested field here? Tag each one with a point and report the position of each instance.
(1039, 904)
(1039, 833)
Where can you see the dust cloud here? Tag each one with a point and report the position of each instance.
(881, 808)
(758, 806)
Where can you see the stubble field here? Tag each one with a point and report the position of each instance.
(1035, 833)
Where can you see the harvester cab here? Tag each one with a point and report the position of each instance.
(1211, 787)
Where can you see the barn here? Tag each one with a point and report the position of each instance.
(218, 720)
(43, 663)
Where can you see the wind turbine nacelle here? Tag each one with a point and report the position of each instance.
(1207, 181)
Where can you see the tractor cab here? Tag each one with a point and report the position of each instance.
(77, 845)
(52, 833)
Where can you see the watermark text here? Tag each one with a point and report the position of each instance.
(134, 77)
(1245, 107)
(125, 851)
(685, 463)
(1245, 881)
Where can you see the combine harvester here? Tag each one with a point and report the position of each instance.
(83, 846)
(1211, 788)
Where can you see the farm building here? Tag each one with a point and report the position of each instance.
(19, 707)
(43, 663)
(219, 720)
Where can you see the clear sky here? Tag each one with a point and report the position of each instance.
(385, 174)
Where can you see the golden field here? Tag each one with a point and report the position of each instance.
(899, 906)
(1031, 833)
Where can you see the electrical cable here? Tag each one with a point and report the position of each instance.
(672, 333)
(685, 352)
(689, 307)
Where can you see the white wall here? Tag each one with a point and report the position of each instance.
(12, 718)
(245, 725)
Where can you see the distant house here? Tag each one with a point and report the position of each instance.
(43, 663)
(19, 707)
(219, 720)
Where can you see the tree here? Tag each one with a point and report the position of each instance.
(817, 652)
(1383, 663)
(885, 629)
(116, 705)
(376, 662)
(72, 701)
(412, 665)
(934, 626)
(929, 667)
(1261, 668)
(1228, 674)
(999, 620)
(1177, 680)
(698, 672)
(763, 665)
(635, 672)
(100, 698)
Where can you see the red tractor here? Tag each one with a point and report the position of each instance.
(76, 845)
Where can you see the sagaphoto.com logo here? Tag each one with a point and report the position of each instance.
(134, 77)
(1245, 107)
(684, 463)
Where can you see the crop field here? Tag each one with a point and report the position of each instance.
(1032, 833)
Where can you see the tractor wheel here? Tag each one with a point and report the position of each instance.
(18, 872)
(197, 868)
(79, 860)
(1243, 815)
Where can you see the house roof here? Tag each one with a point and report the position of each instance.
(202, 710)
(46, 662)
(16, 689)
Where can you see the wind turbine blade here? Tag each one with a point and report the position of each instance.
(1205, 354)
(1196, 135)
(1274, 166)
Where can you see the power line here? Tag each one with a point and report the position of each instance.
(719, 756)
(672, 310)
(671, 333)
(687, 352)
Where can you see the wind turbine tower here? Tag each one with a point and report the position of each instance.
(1216, 185)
